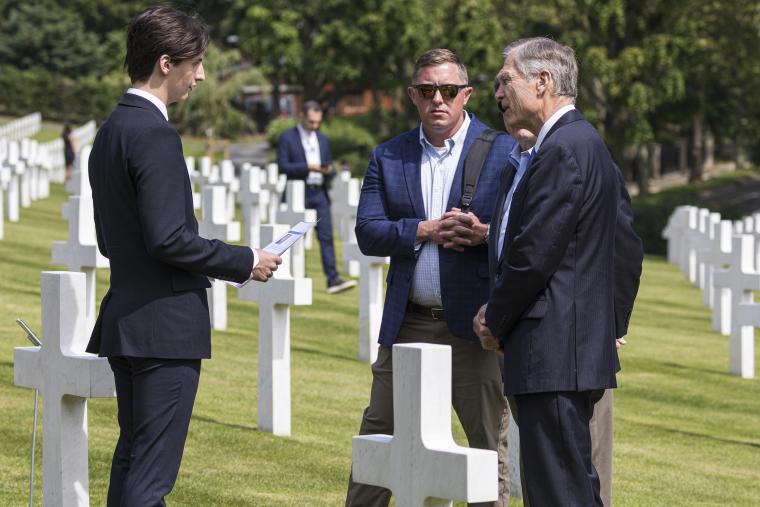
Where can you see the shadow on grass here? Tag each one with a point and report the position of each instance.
(225, 424)
(714, 438)
(322, 353)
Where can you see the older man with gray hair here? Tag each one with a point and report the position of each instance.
(556, 304)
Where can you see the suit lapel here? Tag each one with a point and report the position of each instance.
(411, 160)
(493, 237)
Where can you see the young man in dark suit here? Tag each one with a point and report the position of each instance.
(303, 153)
(409, 209)
(560, 296)
(154, 324)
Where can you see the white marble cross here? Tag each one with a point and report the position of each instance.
(195, 177)
(66, 376)
(13, 186)
(79, 184)
(421, 464)
(692, 242)
(742, 278)
(249, 198)
(274, 184)
(228, 178)
(344, 204)
(704, 251)
(721, 258)
(215, 224)
(274, 298)
(80, 251)
(5, 177)
(370, 299)
(295, 211)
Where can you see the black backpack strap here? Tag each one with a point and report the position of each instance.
(473, 164)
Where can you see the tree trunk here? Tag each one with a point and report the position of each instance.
(275, 99)
(696, 162)
(642, 168)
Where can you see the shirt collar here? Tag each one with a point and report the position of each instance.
(517, 154)
(454, 140)
(304, 133)
(550, 123)
(152, 98)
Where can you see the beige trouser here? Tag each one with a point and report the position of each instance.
(476, 394)
(601, 445)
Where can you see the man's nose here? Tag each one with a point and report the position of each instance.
(199, 74)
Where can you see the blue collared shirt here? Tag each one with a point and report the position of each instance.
(521, 160)
(438, 166)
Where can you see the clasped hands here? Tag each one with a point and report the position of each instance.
(324, 169)
(455, 230)
(266, 267)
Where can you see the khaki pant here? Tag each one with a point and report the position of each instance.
(601, 445)
(476, 394)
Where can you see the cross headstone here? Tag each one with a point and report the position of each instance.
(249, 198)
(705, 245)
(692, 242)
(195, 177)
(227, 176)
(344, 204)
(421, 464)
(80, 251)
(370, 299)
(274, 183)
(742, 343)
(66, 376)
(721, 258)
(295, 211)
(5, 176)
(742, 278)
(215, 224)
(274, 298)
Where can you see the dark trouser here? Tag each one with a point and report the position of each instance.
(601, 445)
(155, 400)
(476, 394)
(316, 198)
(555, 447)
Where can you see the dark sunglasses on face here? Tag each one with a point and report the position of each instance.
(448, 91)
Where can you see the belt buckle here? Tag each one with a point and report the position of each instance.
(436, 313)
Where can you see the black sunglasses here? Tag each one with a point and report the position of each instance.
(448, 91)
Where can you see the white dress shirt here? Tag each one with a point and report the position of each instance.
(310, 145)
(153, 99)
(437, 168)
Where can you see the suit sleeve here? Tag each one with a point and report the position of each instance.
(553, 200)
(286, 161)
(376, 232)
(629, 256)
(160, 176)
(99, 232)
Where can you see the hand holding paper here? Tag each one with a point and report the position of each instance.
(268, 263)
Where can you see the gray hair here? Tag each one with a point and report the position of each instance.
(439, 56)
(531, 56)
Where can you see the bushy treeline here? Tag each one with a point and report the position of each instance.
(651, 71)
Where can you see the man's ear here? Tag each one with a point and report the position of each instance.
(164, 64)
(544, 82)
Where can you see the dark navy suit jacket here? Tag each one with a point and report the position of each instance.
(156, 305)
(291, 159)
(390, 208)
(560, 292)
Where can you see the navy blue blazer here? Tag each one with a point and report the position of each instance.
(391, 206)
(553, 290)
(291, 159)
(156, 305)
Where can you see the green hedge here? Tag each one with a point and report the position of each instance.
(56, 97)
(651, 212)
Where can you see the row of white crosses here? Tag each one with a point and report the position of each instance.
(20, 128)
(369, 269)
(723, 259)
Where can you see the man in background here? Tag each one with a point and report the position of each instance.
(303, 153)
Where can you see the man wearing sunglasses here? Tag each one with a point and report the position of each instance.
(410, 210)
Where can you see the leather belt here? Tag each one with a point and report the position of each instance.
(435, 312)
(314, 187)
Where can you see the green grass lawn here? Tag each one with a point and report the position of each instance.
(686, 432)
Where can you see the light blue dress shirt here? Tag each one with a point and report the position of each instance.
(438, 166)
(521, 160)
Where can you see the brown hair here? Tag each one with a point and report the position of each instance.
(439, 56)
(162, 31)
